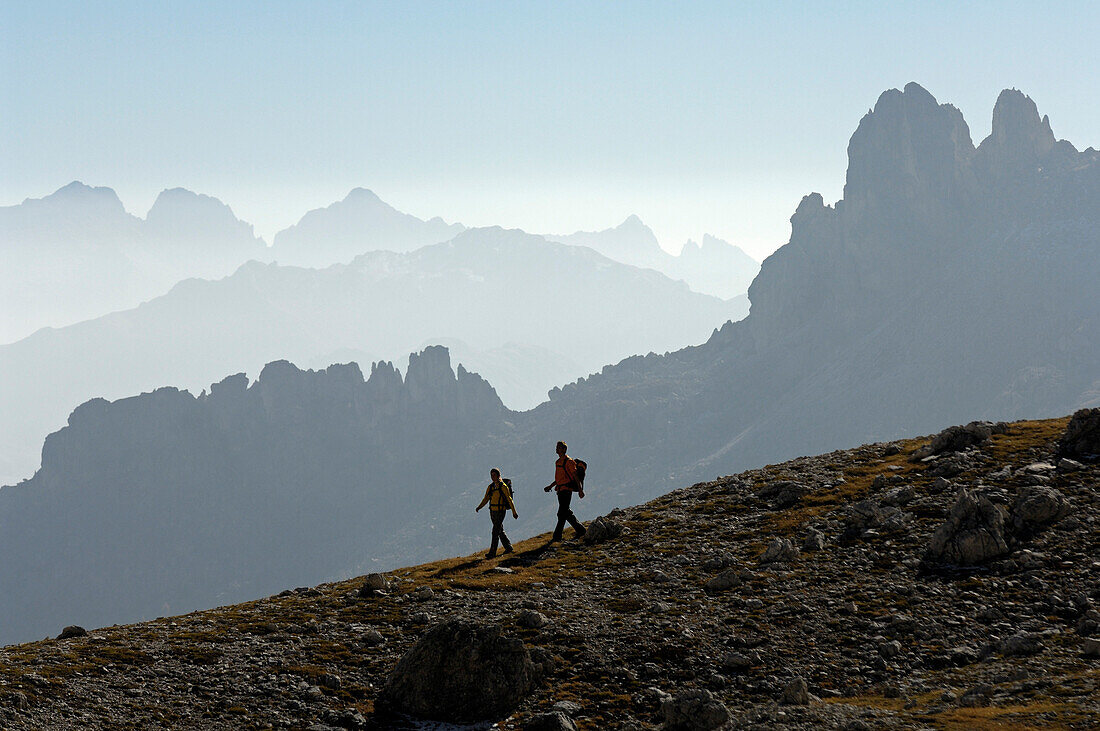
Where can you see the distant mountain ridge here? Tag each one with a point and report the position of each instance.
(359, 223)
(716, 267)
(79, 254)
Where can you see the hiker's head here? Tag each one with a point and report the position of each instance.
(562, 448)
(495, 474)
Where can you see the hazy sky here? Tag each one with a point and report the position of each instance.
(552, 117)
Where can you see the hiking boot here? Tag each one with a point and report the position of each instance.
(508, 549)
(491, 554)
(555, 538)
(579, 534)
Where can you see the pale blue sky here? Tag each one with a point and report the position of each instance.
(699, 117)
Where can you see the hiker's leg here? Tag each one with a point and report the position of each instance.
(498, 527)
(563, 513)
(498, 530)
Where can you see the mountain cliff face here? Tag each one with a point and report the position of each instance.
(361, 222)
(925, 296)
(168, 502)
(80, 255)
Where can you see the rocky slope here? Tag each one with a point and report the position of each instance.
(810, 594)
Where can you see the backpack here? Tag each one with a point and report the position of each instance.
(580, 468)
(507, 482)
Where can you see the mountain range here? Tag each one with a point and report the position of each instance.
(77, 253)
(951, 282)
(527, 313)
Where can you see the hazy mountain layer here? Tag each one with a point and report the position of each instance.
(361, 222)
(78, 254)
(951, 282)
(529, 313)
(715, 267)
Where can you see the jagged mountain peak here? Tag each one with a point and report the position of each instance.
(908, 147)
(181, 201)
(359, 223)
(1019, 135)
(78, 193)
(190, 220)
(365, 196)
(183, 196)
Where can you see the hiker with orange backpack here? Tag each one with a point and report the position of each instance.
(568, 478)
(499, 497)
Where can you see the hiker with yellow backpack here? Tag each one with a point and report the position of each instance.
(499, 497)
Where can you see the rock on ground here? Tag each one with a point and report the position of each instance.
(1082, 435)
(1038, 505)
(796, 693)
(694, 710)
(602, 529)
(461, 671)
(553, 721)
(972, 533)
(779, 550)
(782, 494)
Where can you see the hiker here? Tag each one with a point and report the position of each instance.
(499, 496)
(565, 483)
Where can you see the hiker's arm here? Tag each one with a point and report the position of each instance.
(483, 500)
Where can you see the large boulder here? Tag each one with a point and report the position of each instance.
(1036, 506)
(972, 533)
(602, 529)
(460, 671)
(782, 494)
(1082, 435)
(553, 721)
(958, 438)
(779, 550)
(694, 710)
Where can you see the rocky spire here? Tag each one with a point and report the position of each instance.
(909, 153)
(1020, 138)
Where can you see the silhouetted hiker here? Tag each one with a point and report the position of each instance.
(499, 496)
(566, 482)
